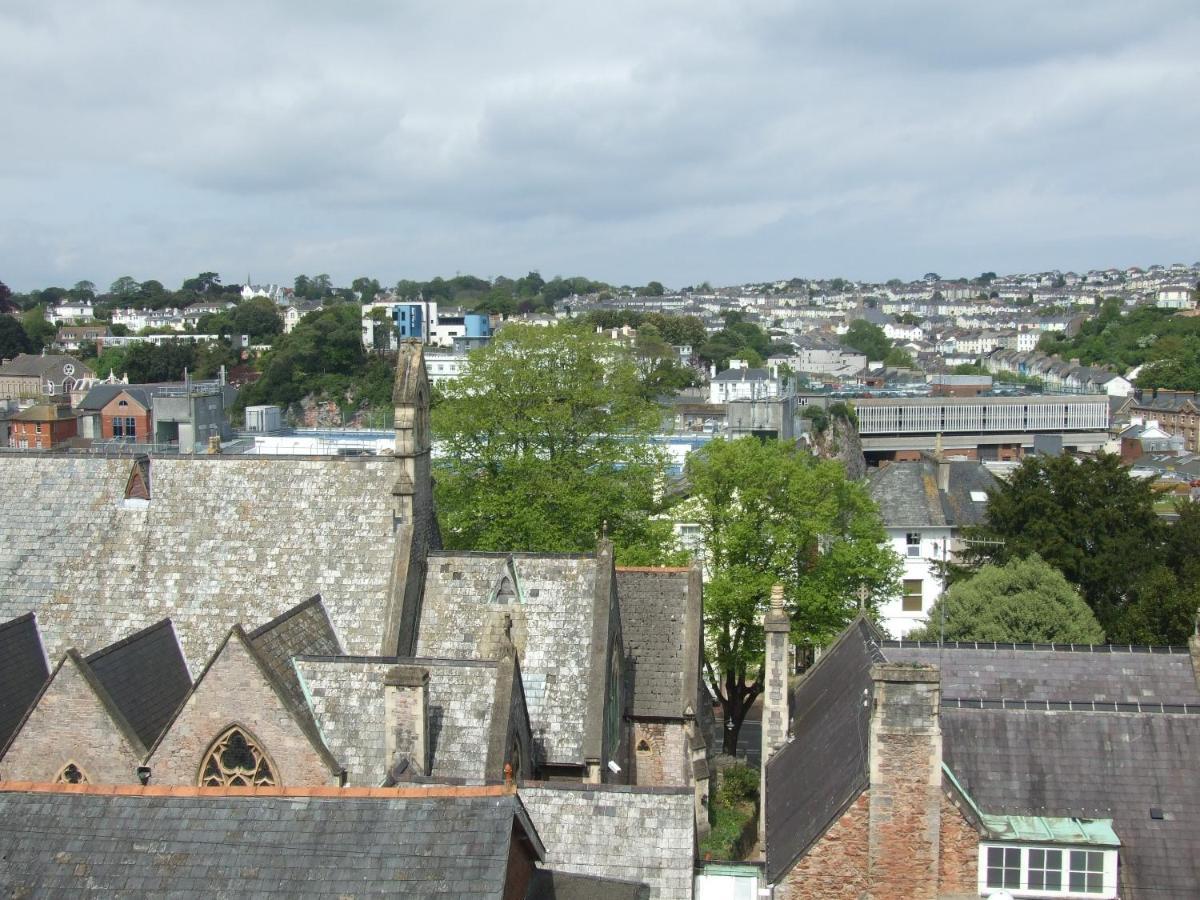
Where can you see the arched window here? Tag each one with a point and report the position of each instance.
(71, 774)
(236, 760)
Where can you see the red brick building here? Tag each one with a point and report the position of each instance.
(43, 427)
(127, 416)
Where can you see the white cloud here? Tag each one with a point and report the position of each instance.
(626, 141)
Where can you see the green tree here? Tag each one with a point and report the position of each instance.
(258, 317)
(124, 287)
(13, 339)
(366, 288)
(867, 338)
(899, 357)
(203, 283)
(1088, 518)
(1023, 601)
(545, 439)
(772, 514)
(40, 332)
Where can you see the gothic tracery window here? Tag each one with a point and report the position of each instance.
(71, 774)
(236, 760)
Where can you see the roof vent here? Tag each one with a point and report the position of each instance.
(1156, 813)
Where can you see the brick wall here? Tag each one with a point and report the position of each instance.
(836, 866)
(70, 724)
(665, 759)
(958, 862)
(234, 692)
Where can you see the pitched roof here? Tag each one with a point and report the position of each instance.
(602, 830)
(816, 775)
(550, 885)
(304, 629)
(23, 671)
(73, 843)
(907, 493)
(37, 365)
(660, 626)
(227, 540)
(346, 695)
(1091, 765)
(743, 374)
(1045, 672)
(553, 616)
(146, 676)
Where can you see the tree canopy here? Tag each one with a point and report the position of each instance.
(1022, 601)
(772, 514)
(545, 440)
(867, 338)
(1096, 524)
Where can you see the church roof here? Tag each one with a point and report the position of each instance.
(222, 541)
(303, 629)
(604, 831)
(346, 695)
(816, 775)
(661, 631)
(553, 610)
(140, 842)
(146, 676)
(1056, 673)
(23, 671)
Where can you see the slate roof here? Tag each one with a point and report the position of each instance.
(743, 374)
(304, 629)
(222, 541)
(1098, 765)
(1045, 672)
(816, 775)
(639, 834)
(103, 394)
(551, 885)
(146, 676)
(552, 618)
(72, 844)
(907, 493)
(37, 364)
(23, 671)
(346, 697)
(659, 637)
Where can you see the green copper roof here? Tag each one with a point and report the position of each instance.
(1041, 829)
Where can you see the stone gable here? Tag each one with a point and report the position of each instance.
(73, 722)
(236, 689)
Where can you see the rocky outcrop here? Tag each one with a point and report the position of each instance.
(840, 440)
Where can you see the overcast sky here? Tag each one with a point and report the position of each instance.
(625, 141)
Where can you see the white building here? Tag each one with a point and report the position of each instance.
(742, 383)
(924, 506)
(1175, 296)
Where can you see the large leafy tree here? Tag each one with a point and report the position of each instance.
(772, 514)
(867, 338)
(545, 439)
(1088, 518)
(1023, 601)
(13, 339)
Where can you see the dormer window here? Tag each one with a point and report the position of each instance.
(1022, 870)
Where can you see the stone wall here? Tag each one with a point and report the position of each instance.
(837, 864)
(71, 724)
(234, 691)
(958, 861)
(664, 761)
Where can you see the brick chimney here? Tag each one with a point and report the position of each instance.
(406, 717)
(906, 781)
(778, 629)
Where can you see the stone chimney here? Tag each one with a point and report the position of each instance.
(778, 629)
(406, 717)
(906, 781)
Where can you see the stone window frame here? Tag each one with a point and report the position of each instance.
(64, 774)
(229, 777)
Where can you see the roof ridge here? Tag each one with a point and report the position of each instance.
(1145, 649)
(162, 790)
(285, 615)
(1101, 706)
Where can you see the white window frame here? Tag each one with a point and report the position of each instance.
(1109, 879)
(913, 550)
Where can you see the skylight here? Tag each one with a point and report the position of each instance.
(979, 496)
